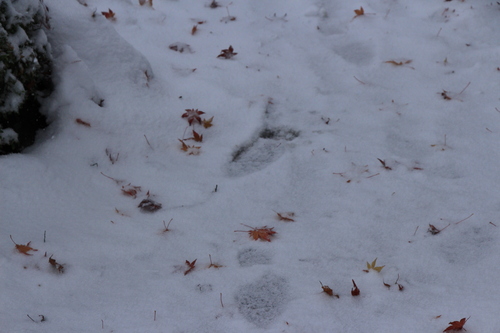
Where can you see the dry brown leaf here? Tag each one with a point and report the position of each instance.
(327, 290)
(227, 53)
(24, 249)
(401, 63)
(287, 218)
(191, 266)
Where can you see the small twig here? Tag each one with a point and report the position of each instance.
(497, 109)
(416, 230)
(33, 320)
(359, 80)
(215, 188)
(439, 32)
(493, 224)
(378, 173)
(154, 318)
(464, 219)
(115, 180)
(222, 304)
(44, 235)
(148, 141)
(102, 324)
(468, 84)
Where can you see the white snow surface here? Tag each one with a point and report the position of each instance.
(309, 119)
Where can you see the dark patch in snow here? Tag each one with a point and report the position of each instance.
(264, 300)
(266, 148)
(249, 257)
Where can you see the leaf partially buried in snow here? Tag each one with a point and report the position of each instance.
(149, 206)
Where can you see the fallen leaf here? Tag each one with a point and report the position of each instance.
(191, 150)
(401, 63)
(207, 123)
(197, 137)
(81, 122)
(149, 206)
(24, 249)
(355, 290)
(227, 53)
(373, 266)
(327, 290)
(281, 217)
(457, 325)
(194, 29)
(56, 265)
(193, 115)
(359, 12)
(130, 190)
(110, 15)
(191, 266)
(214, 4)
(263, 233)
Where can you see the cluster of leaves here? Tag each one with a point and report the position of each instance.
(25, 72)
(26, 249)
(57, 266)
(191, 265)
(193, 117)
(147, 205)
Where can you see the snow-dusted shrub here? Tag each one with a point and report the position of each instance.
(25, 72)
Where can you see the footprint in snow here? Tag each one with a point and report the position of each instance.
(264, 300)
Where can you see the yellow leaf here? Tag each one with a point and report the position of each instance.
(207, 122)
(374, 266)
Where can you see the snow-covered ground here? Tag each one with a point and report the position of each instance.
(369, 132)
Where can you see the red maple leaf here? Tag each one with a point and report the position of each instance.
(457, 325)
(193, 115)
(110, 15)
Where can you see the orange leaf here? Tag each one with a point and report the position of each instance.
(327, 290)
(194, 29)
(110, 15)
(263, 233)
(24, 249)
(457, 325)
(359, 12)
